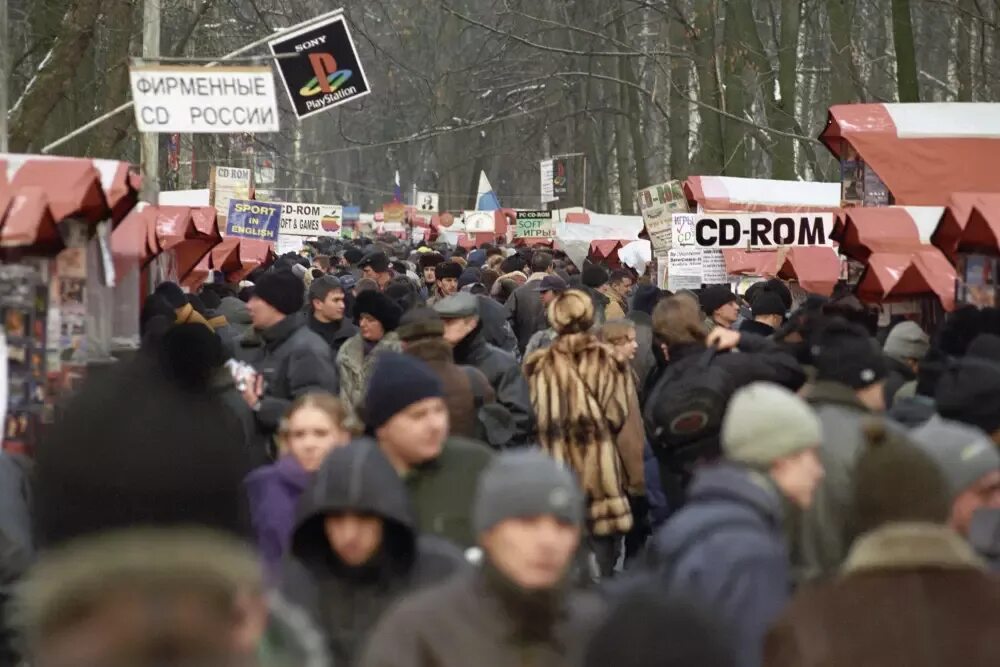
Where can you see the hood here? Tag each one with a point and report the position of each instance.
(734, 483)
(825, 392)
(913, 411)
(283, 330)
(356, 478)
(236, 311)
(469, 345)
(285, 472)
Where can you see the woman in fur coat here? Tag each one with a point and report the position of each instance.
(582, 393)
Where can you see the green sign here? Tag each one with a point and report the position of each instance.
(535, 225)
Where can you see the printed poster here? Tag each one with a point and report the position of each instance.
(253, 220)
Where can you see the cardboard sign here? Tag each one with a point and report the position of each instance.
(171, 98)
(684, 269)
(253, 220)
(310, 219)
(394, 212)
(327, 72)
(548, 187)
(288, 244)
(535, 225)
(226, 184)
(763, 230)
(479, 221)
(658, 204)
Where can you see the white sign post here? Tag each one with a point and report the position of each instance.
(548, 187)
(204, 100)
(762, 230)
(310, 219)
(479, 222)
(228, 183)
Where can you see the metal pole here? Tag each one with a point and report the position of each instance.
(585, 182)
(229, 56)
(150, 142)
(4, 75)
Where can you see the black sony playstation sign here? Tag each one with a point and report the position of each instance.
(327, 71)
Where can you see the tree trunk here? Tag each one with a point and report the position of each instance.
(626, 193)
(907, 85)
(788, 64)
(711, 151)
(679, 123)
(844, 84)
(963, 51)
(631, 106)
(54, 75)
(735, 71)
(109, 134)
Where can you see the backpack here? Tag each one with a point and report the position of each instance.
(683, 415)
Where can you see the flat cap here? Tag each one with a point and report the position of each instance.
(458, 305)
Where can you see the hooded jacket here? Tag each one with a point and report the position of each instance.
(293, 361)
(496, 328)
(727, 549)
(237, 315)
(504, 375)
(274, 491)
(344, 601)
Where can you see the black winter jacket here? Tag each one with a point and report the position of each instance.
(293, 360)
(346, 602)
(505, 376)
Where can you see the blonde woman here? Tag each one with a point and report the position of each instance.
(584, 398)
(314, 424)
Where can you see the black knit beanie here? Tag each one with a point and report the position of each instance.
(844, 352)
(282, 290)
(594, 276)
(398, 381)
(968, 391)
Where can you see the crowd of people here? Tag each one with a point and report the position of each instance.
(387, 455)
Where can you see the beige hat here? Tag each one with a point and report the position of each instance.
(766, 422)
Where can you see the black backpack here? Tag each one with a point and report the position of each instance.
(683, 415)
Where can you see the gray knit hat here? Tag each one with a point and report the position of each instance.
(963, 453)
(766, 422)
(907, 341)
(527, 483)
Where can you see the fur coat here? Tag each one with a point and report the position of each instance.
(356, 368)
(581, 395)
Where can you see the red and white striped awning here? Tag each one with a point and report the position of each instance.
(922, 152)
(971, 223)
(727, 193)
(894, 242)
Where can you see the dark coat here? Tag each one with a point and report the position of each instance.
(913, 411)
(526, 311)
(504, 375)
(463, 622)
(274, 491)
(645, 361)
(898, 375)
(909, 594)
(293, 361)
(347, 602)
(726, 548)
(496, 328)
(334, 333)
(755, 327)
(17, 547)
(442, 490)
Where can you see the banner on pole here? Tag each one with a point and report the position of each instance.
(310, 219)
(427, 202)
(253, 220)
(185, 99)
(327, 72)
(560, 179)
(535, 225)
(547, 188)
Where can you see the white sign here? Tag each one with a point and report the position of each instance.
(427, 202)
(228, 183)
(684, 269)
(172, 98)
(479, 221)
(548, 188)
(310, 219)
(288, 244)
(713, 267)
(763, 230)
